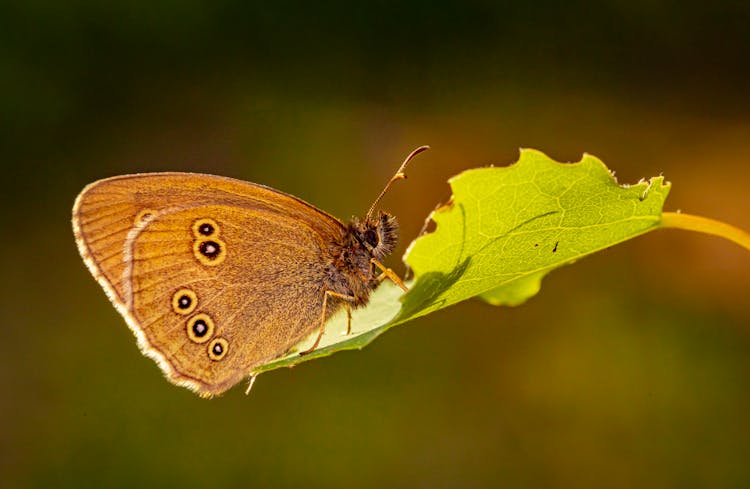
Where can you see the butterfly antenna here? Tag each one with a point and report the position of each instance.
(399, 175)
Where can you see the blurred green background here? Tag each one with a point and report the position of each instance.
(630, 369)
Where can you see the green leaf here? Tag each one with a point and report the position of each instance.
(508, 227)
(503, 230)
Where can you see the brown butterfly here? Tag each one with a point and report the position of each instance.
(217, 276)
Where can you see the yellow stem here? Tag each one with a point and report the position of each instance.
(705, 225)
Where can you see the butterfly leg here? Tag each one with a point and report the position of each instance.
(387, 272)
(348, 320)
(328, 294)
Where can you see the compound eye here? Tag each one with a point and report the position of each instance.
(372, 238)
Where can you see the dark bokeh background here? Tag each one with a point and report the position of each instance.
(630, 369)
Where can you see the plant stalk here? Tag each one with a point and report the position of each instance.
(700, 224)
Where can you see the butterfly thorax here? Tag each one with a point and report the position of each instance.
(351, 271)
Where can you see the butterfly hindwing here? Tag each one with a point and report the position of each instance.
(255, 281)
(214, 275)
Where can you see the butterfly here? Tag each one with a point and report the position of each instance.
(217, 276)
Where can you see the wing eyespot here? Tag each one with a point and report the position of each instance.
(184, 301)
(217, 349)
(205, 227)
(210, 252)
(200, 328)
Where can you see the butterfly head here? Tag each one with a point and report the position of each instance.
(377, 234)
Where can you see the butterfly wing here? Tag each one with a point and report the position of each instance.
(214, 276)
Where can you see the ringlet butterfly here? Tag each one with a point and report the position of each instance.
(217, 276)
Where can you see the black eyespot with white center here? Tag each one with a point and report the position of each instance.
(217, 349)
(210, 252)
(184, 301)
(205, 227)
(200, 328)
(210, 249)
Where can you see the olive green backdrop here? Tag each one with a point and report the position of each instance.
(630, 369)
